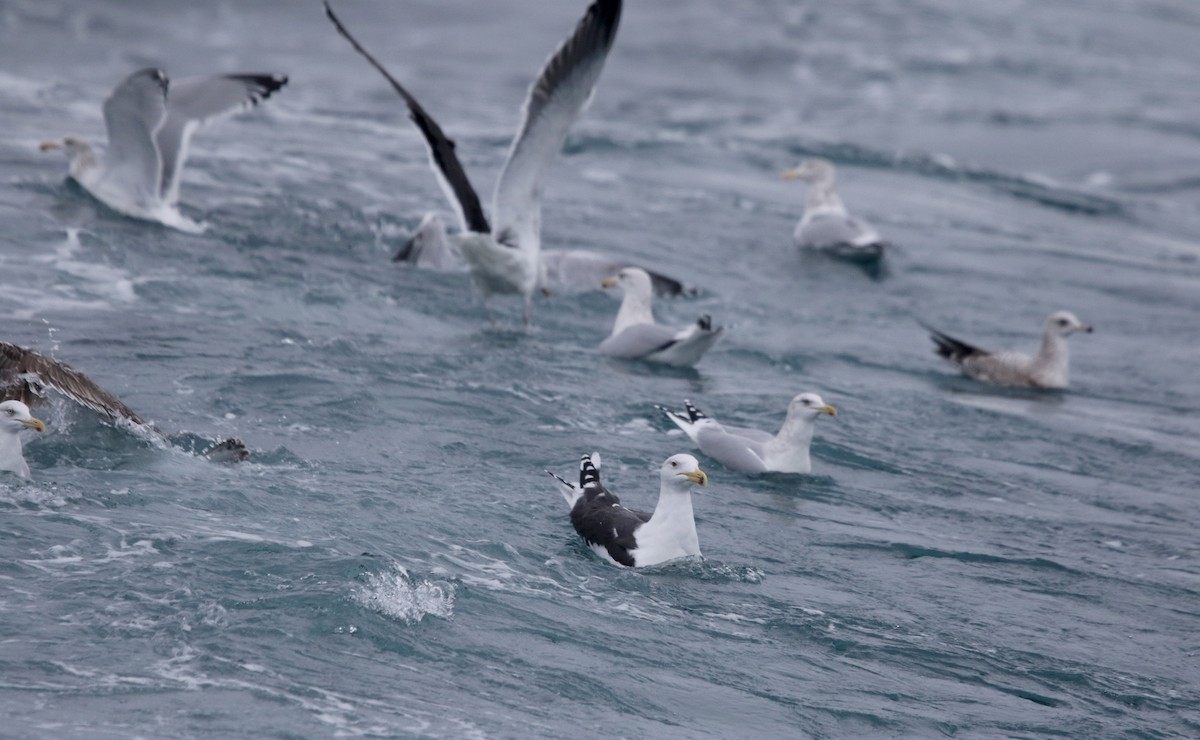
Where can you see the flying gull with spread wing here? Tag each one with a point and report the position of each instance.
(503, 255)
(150, 122)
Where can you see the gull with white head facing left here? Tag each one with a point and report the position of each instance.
(826, 225)
(636, 336)
(150, 122)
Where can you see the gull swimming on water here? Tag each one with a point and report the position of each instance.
(14, 418)
(635, 335)
(826, 225)
(1049, 369)
(636, 538)
(150, 122)
(504, 255)
(27, 376)
(753, 451)
(570, 270)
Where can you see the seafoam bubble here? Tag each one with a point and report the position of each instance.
(396, 595)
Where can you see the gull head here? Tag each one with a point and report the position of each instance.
(72, 145)
(631, 279)
(814, 169)
(810, 405)
(681, 472)
(15, 416)
(1065, 323)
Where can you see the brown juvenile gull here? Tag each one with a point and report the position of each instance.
(28, 376)
(1048, 369)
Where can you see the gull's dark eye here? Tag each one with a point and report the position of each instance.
(674, 464)
(1063, 322)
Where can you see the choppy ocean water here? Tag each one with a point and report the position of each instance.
(963, 562)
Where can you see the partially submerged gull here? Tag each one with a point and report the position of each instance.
(150, 122)
(15, 418)
(566, 270)
(751, 450)
(826, 225)
(1048, 369)
(637, 538)
(636, 336)
(503, 255)
(27, 376)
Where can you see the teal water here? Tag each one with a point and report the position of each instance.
(394, 562)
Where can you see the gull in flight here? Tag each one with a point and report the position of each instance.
(826, 225)
(150, 122)
(503, 254)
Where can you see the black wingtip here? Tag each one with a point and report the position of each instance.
(693, 412)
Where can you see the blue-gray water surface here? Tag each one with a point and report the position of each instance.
(394, 562)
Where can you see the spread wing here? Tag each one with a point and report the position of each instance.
(193, 102)
(556, 99)
(442, 156)
(132, 114)
(25, 375)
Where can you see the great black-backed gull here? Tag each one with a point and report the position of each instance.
(636, 336)
(27, 376)
(826, 225)
(1048, 369)
(15, 418)
(504, 255)
(636, 538)
(150, 122)
(751, 450)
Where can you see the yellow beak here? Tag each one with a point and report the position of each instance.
(37, 424)
(46, 146)
(697, 476)
(791, 174)
(608, 283)
(827, 409)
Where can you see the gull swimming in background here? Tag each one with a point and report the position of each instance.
(1049, 369)
(27, 376)
(753, 451)
(150, 122)
(14, 418)
(826, 225)
(636, 538)
(635, 335)
(503, 255)
(570, 270)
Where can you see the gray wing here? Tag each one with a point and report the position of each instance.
(754, 435)
(25, 375)
(638, 341)
(195, 101)
(133, 113)
(556, 99)
(1000, 368)
(828, 230)
(579, 269)
(732, 451)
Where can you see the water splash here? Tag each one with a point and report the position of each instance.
(396, 595)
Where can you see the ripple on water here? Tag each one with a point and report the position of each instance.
(395, 594)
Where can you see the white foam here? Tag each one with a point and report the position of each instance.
(396, 595)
